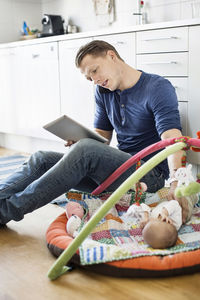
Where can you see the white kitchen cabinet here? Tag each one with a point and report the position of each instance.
(77, 93)
(124, 43)
(36, 88)
(7, 104)
(194, 89)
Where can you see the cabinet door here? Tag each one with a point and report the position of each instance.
(124, 44)
(194, 89)
(36, 89)
(77, 93)
(7, 105)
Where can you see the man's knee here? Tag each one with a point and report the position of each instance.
(86, 145)
(40, 157)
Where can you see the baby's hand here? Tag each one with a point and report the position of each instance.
(143, 223)
(164, 216)
(144, 220)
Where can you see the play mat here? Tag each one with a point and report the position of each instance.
(117, 238)
(112, 244)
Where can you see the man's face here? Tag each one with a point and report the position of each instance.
(102, 70)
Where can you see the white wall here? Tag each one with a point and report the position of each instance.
(169, 10)
(12, 15)
(81, 13)
(157, 11)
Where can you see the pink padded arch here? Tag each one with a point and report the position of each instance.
(148, 150)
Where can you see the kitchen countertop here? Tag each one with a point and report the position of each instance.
(117, 30)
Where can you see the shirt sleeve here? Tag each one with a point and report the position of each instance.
(172, 206)
(101, 120)
(175, 212)
(145, 207)
(165, 106)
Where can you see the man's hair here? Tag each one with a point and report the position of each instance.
(95, 48)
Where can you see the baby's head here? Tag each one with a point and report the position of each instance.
(160, 235)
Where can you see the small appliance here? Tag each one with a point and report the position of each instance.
(52, 25)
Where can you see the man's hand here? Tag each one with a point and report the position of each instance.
(182, 201)
(69, 143)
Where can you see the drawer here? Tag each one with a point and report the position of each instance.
(119, 39)
(124, 43)
(35, 52)
(181, 87)
(164, 64)
(183, 109)
(162, 40)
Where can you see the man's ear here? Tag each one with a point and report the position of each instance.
(112, 54)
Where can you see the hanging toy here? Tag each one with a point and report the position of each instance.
(184, 175)
(72, 226)
(198, 178)
(139, 187)
(187, 185)
(74, 208)
(195, 149)
(74, 213)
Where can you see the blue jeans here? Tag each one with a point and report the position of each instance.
(48, 175)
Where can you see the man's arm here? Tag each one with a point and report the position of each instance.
(105, 133)
(175, 162)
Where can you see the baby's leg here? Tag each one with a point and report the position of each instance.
(192, 200)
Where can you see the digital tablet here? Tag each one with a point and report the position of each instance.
(70, 130)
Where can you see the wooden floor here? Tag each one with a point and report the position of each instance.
(25, 260)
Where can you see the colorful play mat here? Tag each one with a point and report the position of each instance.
(109, 243)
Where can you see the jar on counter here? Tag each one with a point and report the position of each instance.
(72, 28)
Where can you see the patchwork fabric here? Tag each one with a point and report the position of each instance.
(117, 237)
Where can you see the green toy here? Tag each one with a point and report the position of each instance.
(187, 190)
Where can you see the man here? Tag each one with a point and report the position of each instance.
(141, 108)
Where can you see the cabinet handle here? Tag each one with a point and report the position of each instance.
(120, 43)
(71, 48)
(160, 63)
(160, 38)
(35, 55)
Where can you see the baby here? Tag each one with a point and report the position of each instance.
(160, 224)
